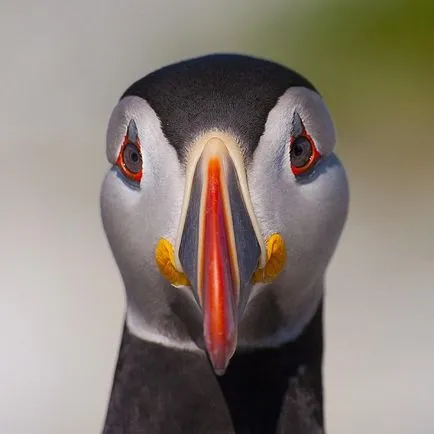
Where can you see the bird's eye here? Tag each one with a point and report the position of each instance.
(303, 154)
(132, 158)
(130, 161)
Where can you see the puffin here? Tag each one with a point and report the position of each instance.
(223, 206)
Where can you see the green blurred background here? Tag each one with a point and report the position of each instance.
(64, 64)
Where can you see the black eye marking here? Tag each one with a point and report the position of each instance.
(132, 133)
(297, 126)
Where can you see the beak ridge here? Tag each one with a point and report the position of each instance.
(219, 250)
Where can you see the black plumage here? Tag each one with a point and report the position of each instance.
(231, 92)
(163, 390)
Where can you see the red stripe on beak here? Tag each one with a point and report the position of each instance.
(217, 288)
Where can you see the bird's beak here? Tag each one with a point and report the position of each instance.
(218, 246)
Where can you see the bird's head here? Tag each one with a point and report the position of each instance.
(225, 188)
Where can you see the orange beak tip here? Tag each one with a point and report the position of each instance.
(221, 355)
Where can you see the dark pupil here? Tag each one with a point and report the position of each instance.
(134, 156)
(298, 149)
(301, 151)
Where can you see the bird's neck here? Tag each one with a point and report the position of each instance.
(166, 390)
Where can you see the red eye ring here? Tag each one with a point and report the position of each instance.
(132, 175)
(313, 158)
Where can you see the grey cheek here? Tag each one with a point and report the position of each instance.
(126, 181)
(281, 160)
(327, 163)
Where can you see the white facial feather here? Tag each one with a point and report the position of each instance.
(136, 218)
(309, 213)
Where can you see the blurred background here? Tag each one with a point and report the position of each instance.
(64, 65)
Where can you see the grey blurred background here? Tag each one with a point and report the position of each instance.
(64, 64)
